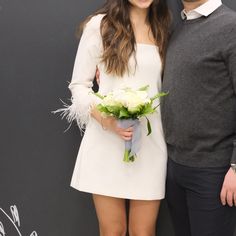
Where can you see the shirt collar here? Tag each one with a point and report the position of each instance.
(204, 10)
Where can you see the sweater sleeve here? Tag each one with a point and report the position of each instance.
(231, 63)
(86, 61)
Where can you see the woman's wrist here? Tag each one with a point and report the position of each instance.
(102, 122)
(107, 122)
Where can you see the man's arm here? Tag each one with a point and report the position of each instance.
(228, 192)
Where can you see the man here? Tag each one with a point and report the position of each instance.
(199, 120)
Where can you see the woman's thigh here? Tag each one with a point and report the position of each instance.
(111, 213)
(142, 217)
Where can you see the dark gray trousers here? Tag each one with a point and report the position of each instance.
(193, 196)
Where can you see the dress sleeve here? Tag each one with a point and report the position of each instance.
(86, 61)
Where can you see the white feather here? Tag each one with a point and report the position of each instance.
(71, 113)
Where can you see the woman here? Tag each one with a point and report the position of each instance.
(126, 41)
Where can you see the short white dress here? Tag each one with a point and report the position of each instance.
(99, 167)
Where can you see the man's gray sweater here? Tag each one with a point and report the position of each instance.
(199, 114)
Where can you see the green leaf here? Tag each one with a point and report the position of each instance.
(144, 88)
(113, 109)
(147, 109)
(123, 113)
(131, 158)
(101, 108)
(156, 107)
(99, 95)
(104, 110)
(149, 128)
(159, 95)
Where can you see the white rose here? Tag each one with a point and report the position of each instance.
(110, 100)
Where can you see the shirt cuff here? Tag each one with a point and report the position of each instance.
(233, 158)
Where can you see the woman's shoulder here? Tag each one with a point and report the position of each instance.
(94, 22)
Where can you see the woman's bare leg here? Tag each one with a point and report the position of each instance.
(111, 215)
(142, 217)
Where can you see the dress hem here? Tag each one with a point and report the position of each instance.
(123, 196)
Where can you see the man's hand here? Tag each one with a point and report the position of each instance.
(228, 192)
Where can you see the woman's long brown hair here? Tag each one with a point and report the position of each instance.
(118, 38)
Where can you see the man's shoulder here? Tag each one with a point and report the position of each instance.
(227, 15)
(223, 20)
(228, 10)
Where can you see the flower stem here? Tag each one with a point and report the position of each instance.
(126, 156)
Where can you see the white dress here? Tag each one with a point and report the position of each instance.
(99, 166)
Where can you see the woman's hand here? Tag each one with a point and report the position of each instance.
(111, 123)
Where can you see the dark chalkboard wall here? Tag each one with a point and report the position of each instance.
(37, 50)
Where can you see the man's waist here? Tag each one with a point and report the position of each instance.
(201, 158)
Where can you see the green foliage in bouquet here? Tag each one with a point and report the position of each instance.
(129, 104)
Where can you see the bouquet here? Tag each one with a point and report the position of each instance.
(128, 105)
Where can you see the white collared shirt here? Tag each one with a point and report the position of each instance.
(204, 10)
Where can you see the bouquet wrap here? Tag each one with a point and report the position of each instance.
(131, 146)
